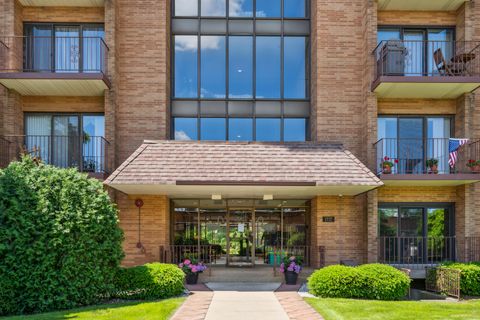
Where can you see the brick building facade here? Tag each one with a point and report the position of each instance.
(349, 90)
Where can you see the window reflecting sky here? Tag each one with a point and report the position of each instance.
(186, 8)
(213, 8)
(268, 67)
(241, 67)
(240, 129)
(186, 129)
(294, 67)
(294, 8)
(268, 129)
(213, 129)
(268, 8)
(186, 66)
(241, 8)
(213, 67)
(294, 130)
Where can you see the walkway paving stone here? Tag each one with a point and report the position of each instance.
(195, 307)
(296, 307)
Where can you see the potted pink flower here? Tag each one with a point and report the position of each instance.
(474, 165)
(387, 165)
(192, 270)
(291, 267)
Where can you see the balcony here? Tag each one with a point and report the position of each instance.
(425, 162)
(54, 66)
(87, 153)
(62, 3)
(420, 5)
(426, 69)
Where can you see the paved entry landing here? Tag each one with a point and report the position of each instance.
(241, 300)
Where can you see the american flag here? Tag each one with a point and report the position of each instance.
(453, 146)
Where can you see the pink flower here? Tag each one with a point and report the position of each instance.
(194, 269)
(187, 261)
(181, 265)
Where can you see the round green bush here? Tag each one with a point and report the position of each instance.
(60, 243)
(370, 281)
(469, 277)
(384, 282)
(150, 281)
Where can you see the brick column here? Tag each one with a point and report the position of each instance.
(372, 226)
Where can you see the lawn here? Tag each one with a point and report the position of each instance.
(155, 310)
(346, 309)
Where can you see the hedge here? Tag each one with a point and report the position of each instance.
(370, 281)
(469, 277)
(60, 244)
(150, 281)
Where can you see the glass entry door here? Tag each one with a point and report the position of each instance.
(240, 245)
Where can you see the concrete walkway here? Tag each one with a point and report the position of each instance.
(242, 301)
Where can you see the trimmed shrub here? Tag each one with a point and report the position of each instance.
(150, 281)
(384, 282)
(371, 281)
(60, 244)
(469, 277)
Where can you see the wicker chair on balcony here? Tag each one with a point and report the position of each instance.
(447, 68)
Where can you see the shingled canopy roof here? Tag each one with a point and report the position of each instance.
(196, 169)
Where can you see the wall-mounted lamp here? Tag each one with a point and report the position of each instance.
(267, 197)
(216, 197)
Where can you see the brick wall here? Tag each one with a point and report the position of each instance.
(417, 106)
(344, 239)
(417, 18)
(417, 194)
(154, 226)
(63, 104)
(64, 14)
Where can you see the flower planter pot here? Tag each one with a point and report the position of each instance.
(192, 278)
(387, 170)
(291, 277)
(433, 169)
(475, 169)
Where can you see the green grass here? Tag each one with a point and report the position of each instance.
(155, 310)
(346, 309)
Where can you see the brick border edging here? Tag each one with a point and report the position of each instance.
(295, 307)
(195, 307)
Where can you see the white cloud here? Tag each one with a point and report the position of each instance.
(186, 7)
(190, 43)
(181, 135)
(236, 9)
(213, 8)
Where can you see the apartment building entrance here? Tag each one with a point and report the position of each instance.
(239, 233)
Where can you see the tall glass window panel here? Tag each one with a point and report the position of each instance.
(294, 130)
(38, 48)
(66, 141)
(38, 130)
(94, 49)
(267, 130)
(268, 65)
(186, 48)
(438, 133)
(213, 129)
(213, 8)
(410, 146)
(294, 59)
(241, 8)
(415, 50)
(294, 8)
(442, 40)
(411, 222)
(240, 67)
(240, 129)
(93, 143)
(213, 72)
(388, 222)
(268, 8)
(388, 34)
(67, 49)
(387, 145)
(186, 8)
(186, 129)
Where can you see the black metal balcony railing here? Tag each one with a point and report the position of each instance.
(87, 153)
(53, 54)
(414, 251)
(427, 58)
(425, 156)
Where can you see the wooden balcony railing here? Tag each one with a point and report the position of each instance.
(87, 153)
(67, 55)
(412, 252)
(425, 156)
(427, 58)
